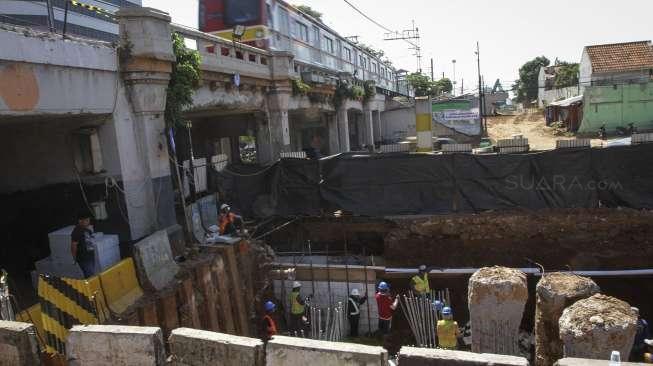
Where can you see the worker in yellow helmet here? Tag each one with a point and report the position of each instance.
(447, 330)
(420, 282)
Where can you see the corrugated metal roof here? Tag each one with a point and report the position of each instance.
(569, 101)
(617, 57)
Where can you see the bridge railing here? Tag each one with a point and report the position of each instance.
(224, 56)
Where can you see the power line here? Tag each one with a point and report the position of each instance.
(375, 22)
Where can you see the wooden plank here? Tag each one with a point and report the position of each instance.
(170, 315)
(231, 268)
(148, 315)
(209, 309)
(189, 316)
(220, 278)
(335, 274)
(245, 257)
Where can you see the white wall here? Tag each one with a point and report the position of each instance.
(398, 123)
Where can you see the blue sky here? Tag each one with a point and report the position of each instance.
(510, 32)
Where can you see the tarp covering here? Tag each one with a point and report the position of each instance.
(411, 184)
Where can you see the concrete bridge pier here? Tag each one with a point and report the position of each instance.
(139, 119)
(343, 128)
(368, 125)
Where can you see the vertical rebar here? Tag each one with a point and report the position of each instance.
(310, 254)
(328, 274)
(369, 322)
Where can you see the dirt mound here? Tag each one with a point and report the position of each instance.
(593, 327)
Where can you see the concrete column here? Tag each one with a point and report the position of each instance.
(556, 291)
(377, 126)
(263, 141)
(190, 347)
(139, 119)
(594, 327)
(496, 297)
(343, 128)
(423, 124)
(278, 122)
(368, 126)
(108, 345)
(411, 356)
(332, 127)
(18, 344)
(292, 351)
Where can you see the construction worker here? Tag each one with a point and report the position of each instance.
(268, 322)
(420, 282)
(297, 308)
(387, 306)
(80, 247)
(228, 222)
(643, 333)
(648, 355)
(354, 311)
(447, 330)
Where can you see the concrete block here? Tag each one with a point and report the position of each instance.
(154, 263)
(106, 249)
(588, 362)
(290, 351)
(59, 241)
(555, 291)
(18, 344)
(109, 345)
(497, 297)
(193, 347)
(411, 356)
(594, 327)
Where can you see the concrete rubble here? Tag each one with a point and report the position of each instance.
(154, 262)
(289, 351)
(496, 297)
(556, 291)
(594, 327)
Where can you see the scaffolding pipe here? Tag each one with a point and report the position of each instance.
(367, 302)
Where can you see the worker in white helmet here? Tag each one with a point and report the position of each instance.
(297, 308)
(228, 222)
(354, 310)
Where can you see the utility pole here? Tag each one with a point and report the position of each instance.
(481, 94)
(432, 71)
(407, 35)
(454, 77)
(462, 86)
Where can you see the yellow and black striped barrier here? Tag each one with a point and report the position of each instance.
(96, 9)
(64, 303)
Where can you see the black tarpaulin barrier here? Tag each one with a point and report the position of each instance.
(244, 187)
(387, 184)
(297, 190)
(624, 176)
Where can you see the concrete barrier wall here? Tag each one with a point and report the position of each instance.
(109, 345)
(587, 362)
(192, 347)
(289, 351)
(18, 344)
(411, 356)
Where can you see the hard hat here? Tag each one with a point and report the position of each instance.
(383, 286)
(270, 306)
(446, 310)
(354, 292)
(438, 304)
(634, 309)
(422, 268)
(649, 342)
(225, 207)
(296, 284)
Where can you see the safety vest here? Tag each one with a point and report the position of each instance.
(422, 284)
(447, 331)
(272, 326)
(354, 309)
(295, 307)
(225, 220)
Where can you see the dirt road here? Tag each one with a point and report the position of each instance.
(531, 125)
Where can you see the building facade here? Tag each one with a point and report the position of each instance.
(616, 64)
(87, 18)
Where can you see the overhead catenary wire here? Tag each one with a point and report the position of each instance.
(375, 22)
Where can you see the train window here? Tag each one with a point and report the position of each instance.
(302, 32)
(316, 36)
(251, 57)
(264, 61)
(347, 54)
(361, 61)
(328, 45)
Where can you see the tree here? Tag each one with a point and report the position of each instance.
(423, 85)
(526, 87)
(443, 85)
(567, 75)
(184, 79)
(310, 11)
(371, 50)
